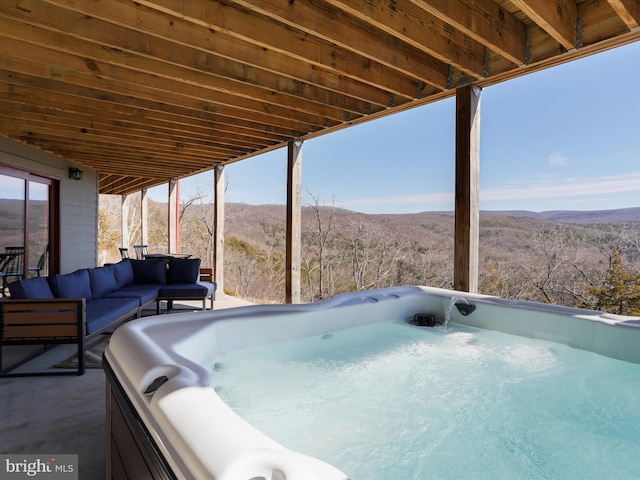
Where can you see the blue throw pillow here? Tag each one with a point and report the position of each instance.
(123, 273)
(151, 270)
(103, 281)
(184, 270)
(36, 287)
(73, 285)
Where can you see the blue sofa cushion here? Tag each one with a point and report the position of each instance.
(183, 270)
(123, 273)
(37, 287)
(71, 285)
(143, 293)
(103, 311)
(186, 290)
(152, 270)
(103, 281)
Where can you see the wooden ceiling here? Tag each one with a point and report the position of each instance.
(146, 91)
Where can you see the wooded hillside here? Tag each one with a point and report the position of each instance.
(555, 257)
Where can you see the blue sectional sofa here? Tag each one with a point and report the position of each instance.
(69, 308)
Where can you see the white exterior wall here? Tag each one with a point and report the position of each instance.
(78, 201)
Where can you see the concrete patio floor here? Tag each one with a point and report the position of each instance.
(62, 414)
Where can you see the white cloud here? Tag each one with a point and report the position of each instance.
(592, 186)
(541, 192)
(556, 159)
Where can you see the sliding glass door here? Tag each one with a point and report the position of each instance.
(12, 211)
(39, 208)
(27, 221)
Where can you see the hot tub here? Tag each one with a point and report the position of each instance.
(164, 418)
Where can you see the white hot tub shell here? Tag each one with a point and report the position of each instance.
(160, 400)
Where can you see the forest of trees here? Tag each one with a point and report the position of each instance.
(593, 262)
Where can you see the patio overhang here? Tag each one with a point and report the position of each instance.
(147, 91)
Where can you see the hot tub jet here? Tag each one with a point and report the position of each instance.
(464, 307)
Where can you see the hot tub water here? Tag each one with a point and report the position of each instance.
(391, 400)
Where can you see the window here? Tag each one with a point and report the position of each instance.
(27, 219)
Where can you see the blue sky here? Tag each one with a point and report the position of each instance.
(566, 138)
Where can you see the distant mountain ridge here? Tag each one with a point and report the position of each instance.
(586, 217)
(246, 221)
(620, 215)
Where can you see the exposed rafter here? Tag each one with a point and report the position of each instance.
(558, 18)
(145, 91)
(628, 11)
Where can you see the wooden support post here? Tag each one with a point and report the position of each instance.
(467, 212)
(294, 221)
(124, 221)
(144, 217)
(218, 231)
(177, 207)
(172, 220)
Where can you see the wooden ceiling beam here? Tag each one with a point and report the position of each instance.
(91, 60)
(272, 33)
(64, 68)
(121, 163)
(72, 136)
(321, 20)
(124, 185)
(102, 146)
(215, 53)
(423, 31)
(40, 90)
(108, 181)
(194, 68)
(88, 117)
(307, 61)
(116, 161)
(485, 22)
(628, 11)
(559, 18)
(34, 119)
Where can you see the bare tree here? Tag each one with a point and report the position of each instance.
(373, 255)
(555, 265)
(241, 267)
(108, 238)
(505, 279)
(273, 259)
(610, 240)
(133, 220)
(197, 229)
(424, 264)
(317, 244)
(631, 235)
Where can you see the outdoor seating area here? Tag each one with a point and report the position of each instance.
(75, 307)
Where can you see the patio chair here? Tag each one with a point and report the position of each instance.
(141, 251)
(12, 266)
(124, 252)
(42, 261)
